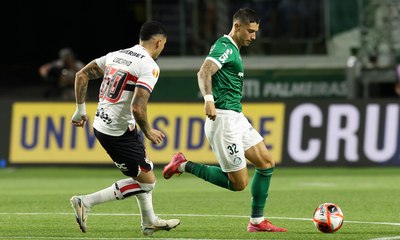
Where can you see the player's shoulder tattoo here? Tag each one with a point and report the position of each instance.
(93, 71)
(210, 67)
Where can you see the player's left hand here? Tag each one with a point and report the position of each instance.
(155, 136)
(209, 108)
(79, 119)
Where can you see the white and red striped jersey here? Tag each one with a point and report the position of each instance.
(124, 70)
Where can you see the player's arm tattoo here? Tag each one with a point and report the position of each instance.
(139, 108)
(208, 69)
(89, 72)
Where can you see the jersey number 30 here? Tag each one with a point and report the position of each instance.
(113, 84)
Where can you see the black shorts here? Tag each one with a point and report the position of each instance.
(127, 151)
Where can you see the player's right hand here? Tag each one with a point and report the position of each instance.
(155, 136)
(209, 108)
(79, 119)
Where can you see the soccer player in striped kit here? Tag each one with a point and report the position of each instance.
(129, 76)
(231, 136)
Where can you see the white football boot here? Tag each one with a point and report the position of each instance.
(81, 211)
(160, 224)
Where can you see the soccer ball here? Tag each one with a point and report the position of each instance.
(328, 217)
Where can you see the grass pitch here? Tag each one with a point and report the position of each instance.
(34, 204)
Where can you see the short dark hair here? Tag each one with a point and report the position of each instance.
(151, 28)
(246, 15)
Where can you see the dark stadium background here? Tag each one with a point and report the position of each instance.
(34, 31)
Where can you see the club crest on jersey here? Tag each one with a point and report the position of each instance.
(241, 74)
(155, 72)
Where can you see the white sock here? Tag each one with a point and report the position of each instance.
(257, 220)
(105, 195)
(121, 189)
(145, 202)
(181, 168)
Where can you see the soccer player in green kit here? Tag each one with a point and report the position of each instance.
(231, 136)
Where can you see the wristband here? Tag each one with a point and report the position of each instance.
(208, 98)
(81, 108)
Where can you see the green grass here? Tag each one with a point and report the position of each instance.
(34, 204)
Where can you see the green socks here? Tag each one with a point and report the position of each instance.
(211, 174)
(259, 186)
(259, 191)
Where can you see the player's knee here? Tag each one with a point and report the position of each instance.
(240, 186)
(147, 187)
(127, 187)
(268, 162)
(119, 187)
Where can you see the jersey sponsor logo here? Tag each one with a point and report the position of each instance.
(132, 53)
(104, 116)
(225, 55)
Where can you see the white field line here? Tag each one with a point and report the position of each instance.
(386, 238)
(89, 238)
(199, 215)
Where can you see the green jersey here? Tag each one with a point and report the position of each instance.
(227, 82)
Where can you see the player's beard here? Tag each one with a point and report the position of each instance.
(247, 43)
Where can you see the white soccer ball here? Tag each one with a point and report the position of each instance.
(328, 217)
